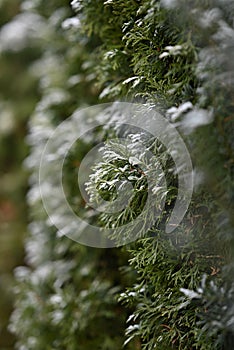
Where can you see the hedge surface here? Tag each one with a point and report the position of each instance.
(168, 291)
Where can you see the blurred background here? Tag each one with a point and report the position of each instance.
(18, 94)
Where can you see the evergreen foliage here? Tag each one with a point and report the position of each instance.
(177, 291)
(67, 293)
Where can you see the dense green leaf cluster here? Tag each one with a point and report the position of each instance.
(67, 294)
(177, 290)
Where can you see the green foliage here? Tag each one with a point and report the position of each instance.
(135, 36)
(67, 294)
(175, 56)
(178, 63)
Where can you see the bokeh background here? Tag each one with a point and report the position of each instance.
(18, 94)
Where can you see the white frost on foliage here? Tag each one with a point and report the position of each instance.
(56, 299)
(225, 35)
(175, 112)
(15, 35)
(197, 117)
(72, 22)
(57, 317)
(190, 293)
(53, 98)
(171, 51)
(169, 3)
(76, 5)
(22, 273)
(29, 5)
(209, 17)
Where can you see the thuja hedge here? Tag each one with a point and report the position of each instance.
(67, 293)
(168, 291)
